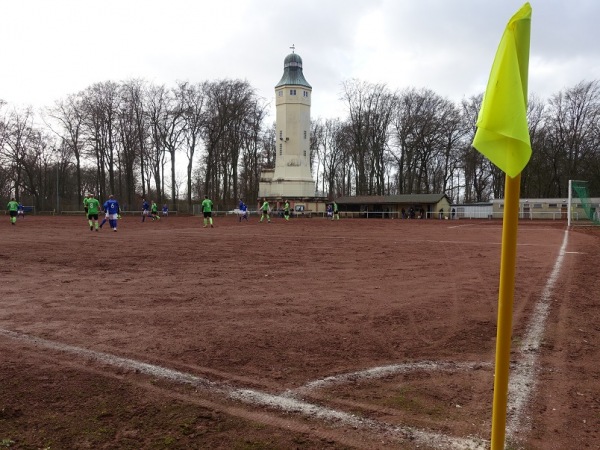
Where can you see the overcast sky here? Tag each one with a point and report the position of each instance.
(52, 48)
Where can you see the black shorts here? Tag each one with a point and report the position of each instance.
(85, 209)
(286, 213)
(92, 216)
(207, 214)
(12, 213)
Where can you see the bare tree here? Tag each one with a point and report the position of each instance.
(476, 167)
(572, 122)
(229, 104)
(18, 136)
(69, 113)
(253, 140)
(101, 105)
(371, 108)
(192, 100)
(157, 111)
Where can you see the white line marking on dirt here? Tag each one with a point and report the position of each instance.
(383, 371)
(462, 226)
(431, 439)
(116, 361)
(281, 402)
(522, 380)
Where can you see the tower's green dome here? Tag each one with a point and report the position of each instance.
(292, 72)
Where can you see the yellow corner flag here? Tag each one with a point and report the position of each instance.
(502, 131)
(503, 136)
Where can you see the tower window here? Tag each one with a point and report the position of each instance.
(280, 149)
(280, 93)
(280, 134)
(305, 93)
(304, 134)
(292, 91)
(305, 153)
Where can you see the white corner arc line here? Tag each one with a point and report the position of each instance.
(383, 371)
(254, 397)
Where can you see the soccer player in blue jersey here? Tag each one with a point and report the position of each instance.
(243, 211)
(165, 210)
(111, 206)
(145, 209)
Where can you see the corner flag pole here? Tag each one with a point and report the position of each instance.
(508, 259)
(503, 137)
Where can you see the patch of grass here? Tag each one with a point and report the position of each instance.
(168, 441)
(6, 443)
(401, 399)
(404, 399)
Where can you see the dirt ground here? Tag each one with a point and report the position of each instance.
(308, 334)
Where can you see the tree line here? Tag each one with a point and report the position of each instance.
(130, 139)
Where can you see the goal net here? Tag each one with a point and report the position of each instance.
(582, 208)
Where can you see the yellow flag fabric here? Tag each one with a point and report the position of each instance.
(502, 131)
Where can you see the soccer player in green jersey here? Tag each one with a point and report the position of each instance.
(207, 205)
(93, 207)
(286, 210)
(86, 200)
(336, 212)
(265, 208)
(12, 208)
(154, 210)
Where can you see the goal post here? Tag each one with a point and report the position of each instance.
(581, 207)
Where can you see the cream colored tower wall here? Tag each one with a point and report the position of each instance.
(293, 134)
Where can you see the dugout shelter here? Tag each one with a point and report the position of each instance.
(408, 206)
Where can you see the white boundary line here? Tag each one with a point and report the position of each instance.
(523, 380)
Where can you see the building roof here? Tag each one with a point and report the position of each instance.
(390, 199)
(292, 72)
